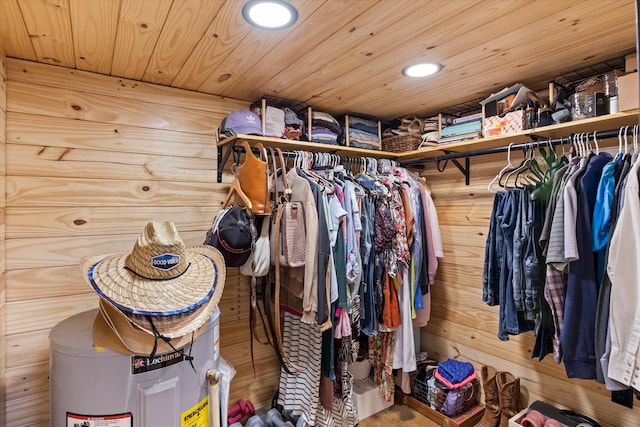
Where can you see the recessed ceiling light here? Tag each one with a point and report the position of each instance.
(422, 70)
(269, 14)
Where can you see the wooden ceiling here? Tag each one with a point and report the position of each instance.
(340, 56)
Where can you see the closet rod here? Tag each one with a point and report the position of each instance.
(453, 156)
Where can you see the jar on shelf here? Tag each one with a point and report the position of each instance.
(610, 85)
(578, 107)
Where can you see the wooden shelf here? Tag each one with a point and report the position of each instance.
(607, 122)
(291, 145)
(602, 123)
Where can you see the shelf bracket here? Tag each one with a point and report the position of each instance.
(466, 169)
(223, 158)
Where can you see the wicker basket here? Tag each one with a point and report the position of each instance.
(400, 143)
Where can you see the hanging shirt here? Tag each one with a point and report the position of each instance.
(301, 192)
(624, 271)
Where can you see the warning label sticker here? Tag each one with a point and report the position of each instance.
(196, 416)
(117, 420)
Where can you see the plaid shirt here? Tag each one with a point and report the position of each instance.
(555, 289)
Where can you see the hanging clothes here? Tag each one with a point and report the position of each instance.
(375, 254)
(624, 271)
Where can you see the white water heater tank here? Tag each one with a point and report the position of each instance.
(93, 386)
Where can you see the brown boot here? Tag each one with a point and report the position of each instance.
(509, 393)
(491, 416)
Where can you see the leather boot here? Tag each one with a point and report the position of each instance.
(509, 395)
(491, 417)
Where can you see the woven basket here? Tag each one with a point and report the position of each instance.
(400, 143)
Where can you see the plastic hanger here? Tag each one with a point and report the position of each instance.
(509, 173)
(595, 142)
(626, 148)
(620, 141)
(509, 165)
(235, 193)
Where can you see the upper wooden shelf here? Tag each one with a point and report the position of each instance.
(593, 124)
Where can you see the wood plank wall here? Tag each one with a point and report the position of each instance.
(91, 159)
(3, 145)
(463, 326)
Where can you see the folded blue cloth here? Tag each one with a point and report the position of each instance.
(455, 371)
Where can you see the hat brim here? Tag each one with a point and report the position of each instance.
(200, 285)
(112, 329)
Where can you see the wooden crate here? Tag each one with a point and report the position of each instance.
(466, 419)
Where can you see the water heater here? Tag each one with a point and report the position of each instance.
(93, 386)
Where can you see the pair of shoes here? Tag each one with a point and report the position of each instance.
(502, 398)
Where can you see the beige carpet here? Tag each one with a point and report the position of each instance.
(397, 415)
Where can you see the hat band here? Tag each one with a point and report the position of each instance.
(157, 279)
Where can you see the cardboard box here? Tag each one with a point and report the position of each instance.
(628, 92)
(630, 63)
(511, 122)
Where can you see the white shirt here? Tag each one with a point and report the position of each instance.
(624, 271)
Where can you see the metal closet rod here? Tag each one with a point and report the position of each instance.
(292, 153)
(613, 133)
(466, 169)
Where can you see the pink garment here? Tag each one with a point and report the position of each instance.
(456, 385)
(424, 314)
(343, 328)
(434, 248)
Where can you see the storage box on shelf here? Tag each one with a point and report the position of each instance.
(628, 92)
(509, 123)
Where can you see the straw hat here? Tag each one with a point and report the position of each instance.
(160, 285)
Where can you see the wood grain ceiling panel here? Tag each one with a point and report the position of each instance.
(257, 43)
(139, 27)
(498, 61)
(49, 26)
(188, 20)
(340, 56)
(303, 39)
(14, 36)
(94, 26)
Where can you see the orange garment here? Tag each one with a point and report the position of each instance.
(408, 214)
(391, 317)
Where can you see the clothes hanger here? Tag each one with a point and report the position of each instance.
(620, 140)
(509, 165)
(509, 173)
(516, 170)
(626, 148)
(235, 193)
(595, 141)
